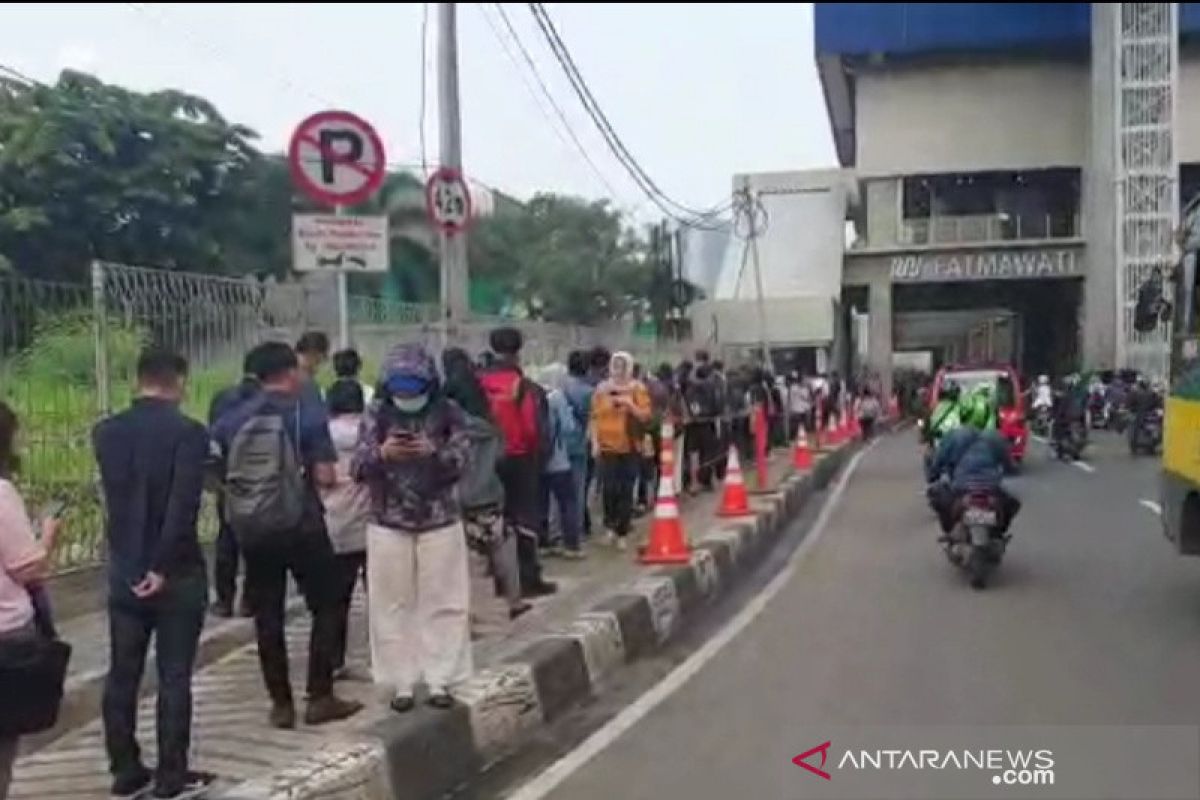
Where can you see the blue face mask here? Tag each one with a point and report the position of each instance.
(411, 405)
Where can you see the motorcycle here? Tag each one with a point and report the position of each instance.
(1043, 419)
(1145, 435)
(1069, 447)
(1098, 411)
(976, 544)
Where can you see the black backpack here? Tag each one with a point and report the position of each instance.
(265, 488)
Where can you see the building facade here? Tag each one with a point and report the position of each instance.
(991, 142)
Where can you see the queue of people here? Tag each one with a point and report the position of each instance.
(411, 485)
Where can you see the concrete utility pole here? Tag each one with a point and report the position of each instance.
(455, 303)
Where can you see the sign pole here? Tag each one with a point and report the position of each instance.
(343, 296)
(453, 243)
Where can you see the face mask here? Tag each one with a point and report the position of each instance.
(411, 405)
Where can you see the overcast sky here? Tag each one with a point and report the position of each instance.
(697, 91)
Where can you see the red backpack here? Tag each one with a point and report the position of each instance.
(516, 410)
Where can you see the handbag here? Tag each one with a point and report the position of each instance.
(33, 672)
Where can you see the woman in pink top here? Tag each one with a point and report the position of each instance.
(23, 561)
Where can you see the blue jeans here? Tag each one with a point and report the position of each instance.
(561, 485)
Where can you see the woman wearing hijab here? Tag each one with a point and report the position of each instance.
(412, 452)
(620, 413)
(481, 494)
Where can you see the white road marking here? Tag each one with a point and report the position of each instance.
(1154, 507)
(1083, 465)
(565, 767)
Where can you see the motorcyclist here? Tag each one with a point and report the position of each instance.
(1070, 408)
(945, 415)
(1143, 400)
(971, 458)
(1043, 394)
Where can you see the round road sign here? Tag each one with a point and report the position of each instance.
(448, 200)
(337, 158)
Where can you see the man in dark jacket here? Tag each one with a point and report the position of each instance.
(305, 552)
(151, 460)
(974, 460)
(519, 409)
(700, 433)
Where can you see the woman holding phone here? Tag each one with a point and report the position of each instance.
(620, 415)
(23, 564)
(413, 449)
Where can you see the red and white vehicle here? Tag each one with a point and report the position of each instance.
(1005, 386)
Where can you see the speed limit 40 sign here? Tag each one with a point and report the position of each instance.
(448, 200)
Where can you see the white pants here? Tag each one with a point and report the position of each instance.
(417, 589)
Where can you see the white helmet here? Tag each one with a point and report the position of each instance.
(1043, 380)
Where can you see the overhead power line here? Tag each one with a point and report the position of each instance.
(545, 92)
(681, 213)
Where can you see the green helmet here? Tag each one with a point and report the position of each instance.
(975, 409)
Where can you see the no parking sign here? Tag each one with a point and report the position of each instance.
(337, 158)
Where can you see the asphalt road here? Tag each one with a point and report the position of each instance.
(1092, 620)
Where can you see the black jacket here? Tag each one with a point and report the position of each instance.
(151, 460)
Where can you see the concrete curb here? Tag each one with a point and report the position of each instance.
(429, 753)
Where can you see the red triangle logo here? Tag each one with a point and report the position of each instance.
(802, 760)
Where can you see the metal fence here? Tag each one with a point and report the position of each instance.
(68, 354)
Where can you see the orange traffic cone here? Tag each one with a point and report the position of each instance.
(833, 434)
(734, 502)
(667, 543)
(801, 455)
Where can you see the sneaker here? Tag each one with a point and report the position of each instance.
(193, 784)
(440, 699)
(574, 555)
(329, 708)
(610, 538)
(519, 609)
(402, 703)
(622, 545)
(245, 609)
(282, 716)
(131, 785)
(553, 551)
(222, 609)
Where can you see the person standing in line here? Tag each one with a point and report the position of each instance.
(519, 410)
(659, 388)
(347, 365)
(312, 351)
(578, 392)
(700, 445)
(557, 483)
(869, 410)
(620, 412)
(228, 555)
(800, 406)
(347, 510)
(723, 437)
(276, 460)
(598, 359)
(24, 563)
(480, 492)
(152, 460)
(412, 453)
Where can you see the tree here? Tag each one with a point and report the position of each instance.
(564, 259)
(91, 170)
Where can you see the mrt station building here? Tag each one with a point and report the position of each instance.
(1019, 168)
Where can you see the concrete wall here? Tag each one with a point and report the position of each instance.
(968, 117)
(1188, 108)
(800, 250)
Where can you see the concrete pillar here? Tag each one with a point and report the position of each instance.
(883, 211)
(1099, 206)
(879, 344)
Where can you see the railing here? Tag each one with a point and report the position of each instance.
(988, 228)
(68, 354)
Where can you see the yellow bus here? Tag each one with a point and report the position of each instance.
(1180, 483)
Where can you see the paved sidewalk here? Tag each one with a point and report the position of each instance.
(230, 734)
